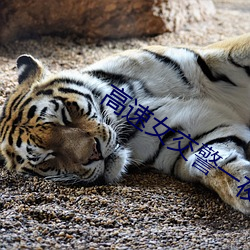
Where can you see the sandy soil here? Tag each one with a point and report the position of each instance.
(146, 210)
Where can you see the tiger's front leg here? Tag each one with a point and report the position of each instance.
(230, 178)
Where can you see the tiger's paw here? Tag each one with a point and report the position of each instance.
(233, 188)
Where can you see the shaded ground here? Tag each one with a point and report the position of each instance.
(145, 210)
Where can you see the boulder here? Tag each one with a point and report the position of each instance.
(98, 19)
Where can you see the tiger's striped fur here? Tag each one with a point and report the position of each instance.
(53, 125)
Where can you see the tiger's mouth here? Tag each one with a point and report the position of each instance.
(97, 153)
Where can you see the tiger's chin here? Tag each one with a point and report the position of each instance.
(107, 171)
(115, 164)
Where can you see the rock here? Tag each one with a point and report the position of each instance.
(98, 19)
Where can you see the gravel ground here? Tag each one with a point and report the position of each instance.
(144, 211)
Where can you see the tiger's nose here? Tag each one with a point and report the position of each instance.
(96, 153)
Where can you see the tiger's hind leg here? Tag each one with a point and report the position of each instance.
(230, 178)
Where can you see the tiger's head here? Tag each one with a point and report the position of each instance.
(52, 126)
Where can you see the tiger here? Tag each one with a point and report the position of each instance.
(65, 128)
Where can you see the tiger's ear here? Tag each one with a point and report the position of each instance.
(30, 70)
